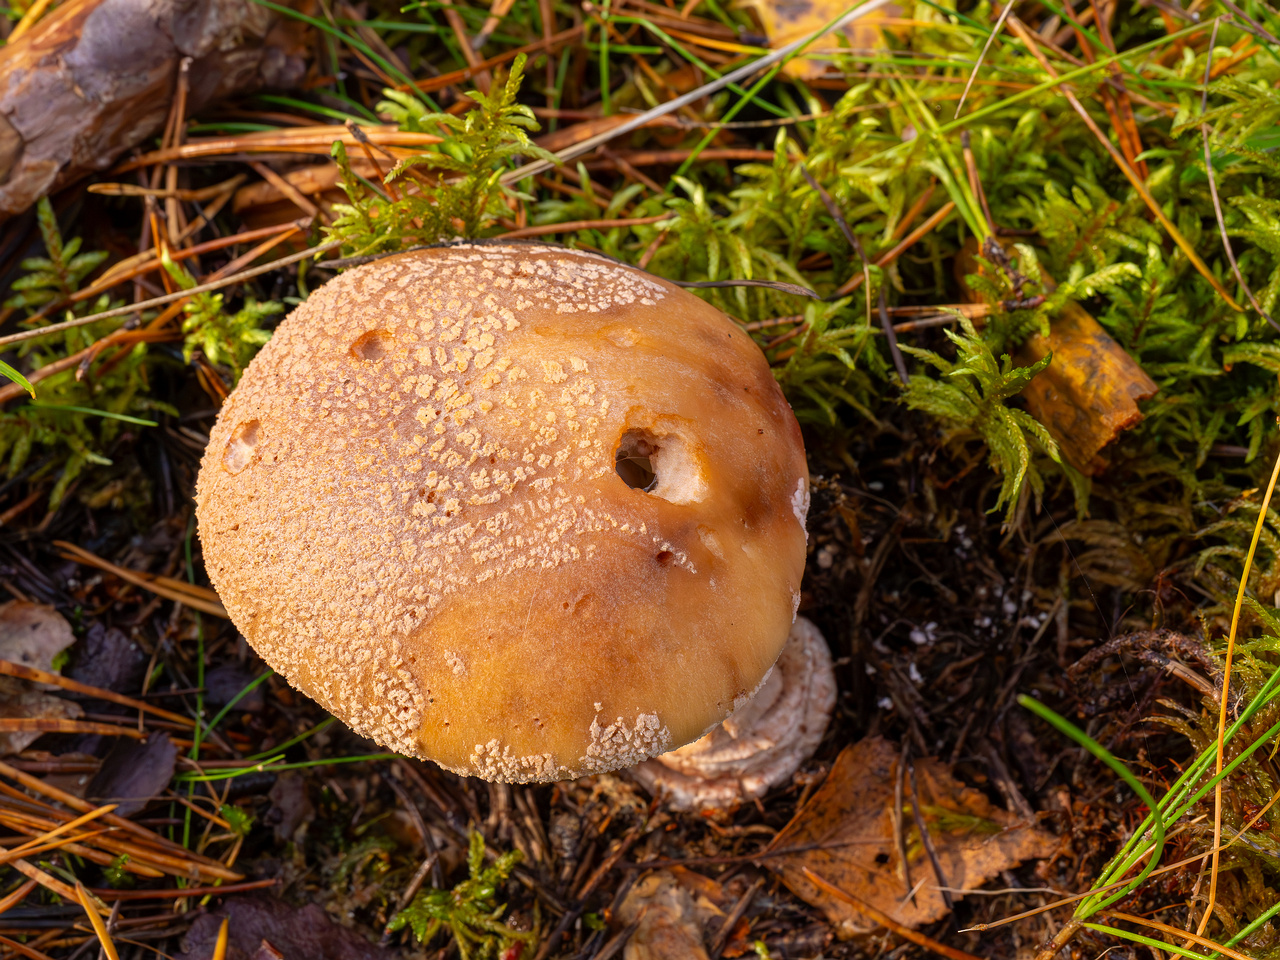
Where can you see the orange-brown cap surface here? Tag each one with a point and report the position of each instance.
(412, 509)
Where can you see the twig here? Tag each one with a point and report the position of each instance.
(574, 225)
(733, 76)
(43, 787)
(57, 725)
(113, 189)
(1213, 186)
(916, 209)
(79, 821)
(657, 158)
(39, 876)
(908, 241)
(1157, 211)
(1182, 934)
(173, 213)
(18, 895)
(924, 323)
(891, 337)
(899, 834)
(834, 211)
(99, 928)
(450, 79)
(734, 915)
(549, 945)
(1254, 27)
(1116, 99)
(991, 38)
(792, 288)
(499, 10)
(34, 675)
(975, 182)
(317, 140)
(291, 193)
(620, 939)
(1226, 695)
(198, 598)
(171, 297)
(951, 953)
(1063, 937)
(22, 949)
(29, 20)
(944, 885)
(186, 891)
(432, 861)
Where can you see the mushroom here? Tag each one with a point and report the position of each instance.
(763, 743)
(521, 510)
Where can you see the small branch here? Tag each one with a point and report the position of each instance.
(171, 297)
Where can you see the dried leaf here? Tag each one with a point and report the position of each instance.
(226, 681)
(671, 909)
(262, 927)
(19, 701)
(133, 773)
(290, 807)
(1089, 393)
(31, 635)
(107, 658)
(788, 20)
(845, 835)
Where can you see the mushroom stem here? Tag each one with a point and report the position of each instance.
(763, 742)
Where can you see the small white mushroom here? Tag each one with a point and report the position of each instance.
(765, 740)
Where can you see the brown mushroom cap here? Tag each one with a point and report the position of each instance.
(411, 508)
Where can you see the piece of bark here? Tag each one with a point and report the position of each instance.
(96, 77)
(1089, 393)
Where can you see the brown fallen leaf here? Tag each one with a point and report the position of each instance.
(133, 773)
(670, 910)
(787, 20)
(31, 635)
(262, 927)
(1089, 393)
(845, 835)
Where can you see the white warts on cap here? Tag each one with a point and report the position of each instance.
(800, 504)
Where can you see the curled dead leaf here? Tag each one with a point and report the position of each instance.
(845, 834)
(1089, 393)
(788, 20)
(31, 635)
(670, 910)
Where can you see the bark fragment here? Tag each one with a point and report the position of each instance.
(95, 78)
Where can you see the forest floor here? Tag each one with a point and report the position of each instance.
(965, 548)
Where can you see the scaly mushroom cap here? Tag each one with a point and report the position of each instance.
(413, 508)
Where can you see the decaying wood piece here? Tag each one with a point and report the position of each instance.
(95, 78)
(1089, 393)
